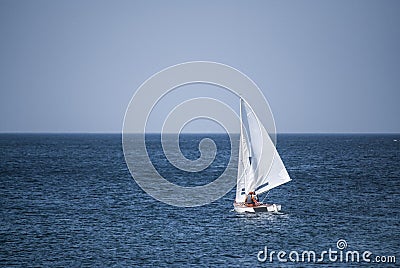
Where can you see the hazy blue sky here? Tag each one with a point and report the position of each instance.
(324, 66)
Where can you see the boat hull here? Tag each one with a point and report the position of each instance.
(242, 208)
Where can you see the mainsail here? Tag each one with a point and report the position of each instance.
(245, 171)
(260, 167)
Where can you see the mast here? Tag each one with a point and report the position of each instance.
(240, 176)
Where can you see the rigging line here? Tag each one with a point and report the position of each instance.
(265, 197)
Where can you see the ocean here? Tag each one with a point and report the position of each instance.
(68, 200)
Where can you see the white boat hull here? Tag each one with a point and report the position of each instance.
(242, 208)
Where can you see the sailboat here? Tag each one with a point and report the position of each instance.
(260, 167)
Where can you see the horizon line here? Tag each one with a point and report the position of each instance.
(120, 133)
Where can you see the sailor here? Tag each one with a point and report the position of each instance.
(255, 198)
(250, 199)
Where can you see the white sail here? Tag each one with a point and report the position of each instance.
(245, 171)
(266, 169)
(278, 175)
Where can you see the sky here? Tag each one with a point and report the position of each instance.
(323, 66)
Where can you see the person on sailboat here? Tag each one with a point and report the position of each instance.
(256, 200)
(251, 199)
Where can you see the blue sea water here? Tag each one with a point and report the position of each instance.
(69, 200)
